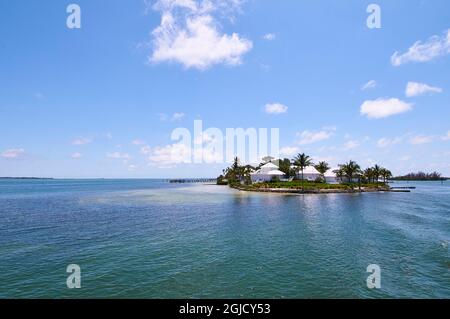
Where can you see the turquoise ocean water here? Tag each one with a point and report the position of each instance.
(150, 239)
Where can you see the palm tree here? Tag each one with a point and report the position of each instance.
(386, 174)
(302, 161)
(234, 172)
(376, 173)
(322, 168)
(285, 166)
(368, 174)
(350, 170)
(246, 174)
(339, 173)
(359, 174)
(227, 173)
(235, 165)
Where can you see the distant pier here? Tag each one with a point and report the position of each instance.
(193, 180)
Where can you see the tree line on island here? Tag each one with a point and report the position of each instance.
(421, 176)
(294, 168)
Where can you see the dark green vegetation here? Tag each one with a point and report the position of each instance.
(25, 178)
(421, 176)
(236, 174)
(307, 185)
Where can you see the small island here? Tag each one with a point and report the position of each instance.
(301, 176)
(12, 177)
(421, 176)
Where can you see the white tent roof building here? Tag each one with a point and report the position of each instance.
(269, 170)
(310, 170)
(276, 172)
(331, 173)
(330, 176)
(309, 173)
(268, 167)
(266, 173)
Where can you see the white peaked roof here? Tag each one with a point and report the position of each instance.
(269, 166)
(330, 173)
(276, 173)
(310, 170)
(269, 169)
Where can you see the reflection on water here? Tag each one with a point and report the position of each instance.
(152, 239)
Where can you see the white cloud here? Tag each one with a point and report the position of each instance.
(132, 167)
(327, 159)
(170, 155)
(178, 116)
(370, 161)
(190, 35)
(162, 117)
(12, 153)
(206, 150)
(351, 145)
(275, 108)
(415, 89)
(327, 149)
(405, 158)
(269, 36)
(206, 139)
(310, 137)
(446, 137)
(81, 141)
(369, 85)
(146, 150)
(118, 155)
(76, 155)
(421, 139)
(289, 150)
(381, 108)
(208, 155)
(434, 47)
(386, 142)
(138, 142)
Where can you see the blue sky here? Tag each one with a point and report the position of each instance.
(103, 100)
